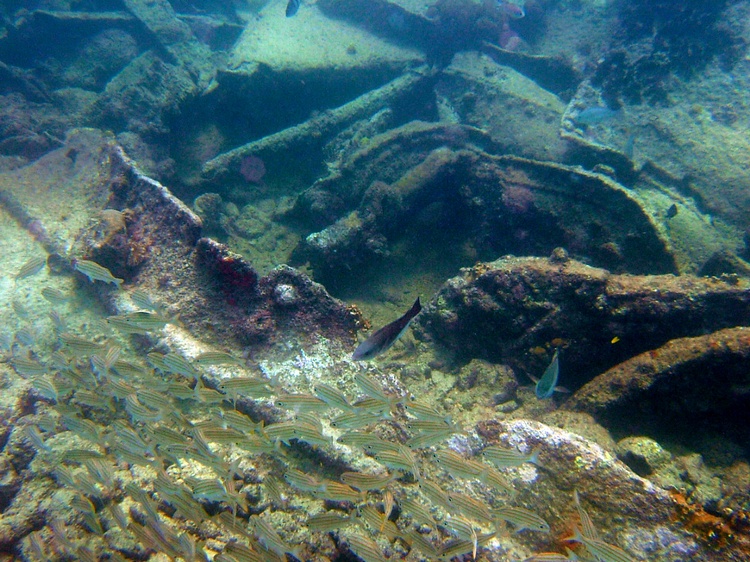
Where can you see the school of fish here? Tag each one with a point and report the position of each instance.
(101, 408)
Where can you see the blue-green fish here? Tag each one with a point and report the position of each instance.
(547, 385)
(386, 336)
(595, 115)
(291, 7)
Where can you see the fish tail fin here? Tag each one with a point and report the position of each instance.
(577, 537)
(576, 498)
(417, 305)
(534, 457)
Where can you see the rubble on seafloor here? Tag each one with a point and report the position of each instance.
(97, 463)
(427, 181)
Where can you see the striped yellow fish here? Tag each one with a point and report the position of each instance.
(31, 267)
(95, 272)
(522, 518)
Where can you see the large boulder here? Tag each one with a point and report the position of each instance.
(516, 310)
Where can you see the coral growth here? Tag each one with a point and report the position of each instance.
(252, 168)
(518, 199)
(716, 531)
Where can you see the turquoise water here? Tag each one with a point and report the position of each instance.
(207, 206)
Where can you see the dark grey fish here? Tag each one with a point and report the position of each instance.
(292, 7)
(386, 336)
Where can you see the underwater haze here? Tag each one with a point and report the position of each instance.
(364, 281)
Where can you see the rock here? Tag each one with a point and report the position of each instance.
(153, 160)
(159, 18)
(643, 455)
(305, 305)
(219, 34)
(555, 74)
(579, 423)
(627, 510)
(705, 487)
(103, 56)
(520, 116)
(437, 28)
(385, 158)
(208, 206)
(480, 373)
(143, 96)
(160, 250)
(726, 263)
(40, 33)
(515, 310)
(678, 361)
(674, 389)
(26, 513)
(23, 83)
(10, 482)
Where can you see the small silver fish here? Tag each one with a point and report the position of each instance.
(125, 326)
(522, 519)
(382, 340)
(20, 310)
(507, 458)
(83, 505)
(465, 505)
(426, 439)
(365, 548)
(143, 300)
(26, 336)
(268, 537)
(332, 396)
(418, 511)
(363, 481)
(304, 481)
(142, 319)
(179, 365)
(587, 525)
(216, 358)
(34, 436)
(55, 296)
(327, 521)
(28, 367)
(548, 557)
